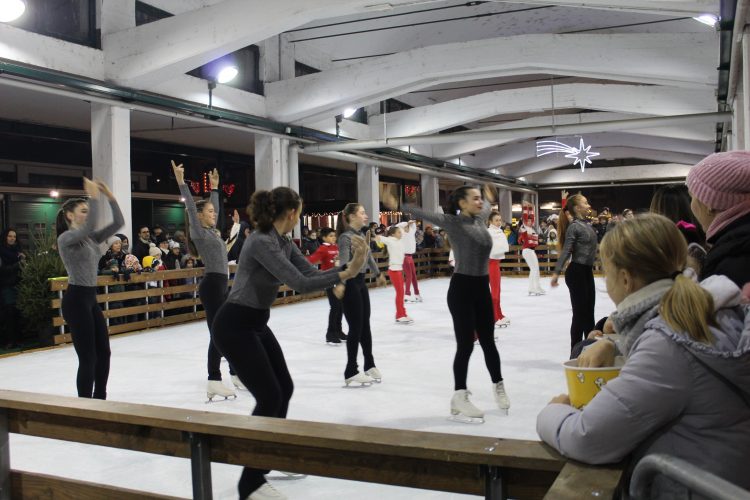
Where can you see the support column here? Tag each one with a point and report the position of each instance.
(110, 155)
(505, 204)
(430, 193)
(745, 102)
(368, 192)
(271, 162)
(293, 159)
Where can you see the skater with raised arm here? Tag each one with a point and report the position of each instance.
(269, 259)
(203, 241)
(529, 239)
(497, 254)
(469, 299)
(356, 298)
(78, 243)
(393, 242)
(408, 239)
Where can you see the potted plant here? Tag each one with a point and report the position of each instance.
(34, 293)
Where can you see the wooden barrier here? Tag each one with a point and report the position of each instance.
(494, 468)
(163, 298)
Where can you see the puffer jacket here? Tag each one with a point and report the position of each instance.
(673, 396)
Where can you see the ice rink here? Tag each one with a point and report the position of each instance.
(167, 367)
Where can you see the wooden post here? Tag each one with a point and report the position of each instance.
(200, 465)
(493, 484)
(4, 456)
(60, 296)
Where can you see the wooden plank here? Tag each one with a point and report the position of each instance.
(577, 481)
(42, 486)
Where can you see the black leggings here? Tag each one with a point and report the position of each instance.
(242, 335)
(213, 292)
(356, 304)
(470, 304)
(579, 279)
(90, 340)
(334, 316)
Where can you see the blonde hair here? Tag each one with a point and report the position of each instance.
(650, 247)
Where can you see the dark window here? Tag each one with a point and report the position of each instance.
(459, 128)
(145, 13)
(247, 61)
(392, 105)
(303, 69)
(69, 20)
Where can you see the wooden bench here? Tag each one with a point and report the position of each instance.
(494, 468)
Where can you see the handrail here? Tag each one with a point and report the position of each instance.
(693, 478)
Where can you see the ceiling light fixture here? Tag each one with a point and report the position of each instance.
(708, 19)
(10, 10)
(349, 112)
(227, 74)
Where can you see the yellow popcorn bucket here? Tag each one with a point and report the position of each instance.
(585, 383)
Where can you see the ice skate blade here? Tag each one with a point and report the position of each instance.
(212, 396)
(281, 475)
(356, 385)
(463, 419)
(502, 326)
(335, 344)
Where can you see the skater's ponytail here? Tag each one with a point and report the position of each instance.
(651, 248)
(456, 196)
(267, 206)
(342, 224)
(61, 221)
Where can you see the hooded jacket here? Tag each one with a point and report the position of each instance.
(674, 395)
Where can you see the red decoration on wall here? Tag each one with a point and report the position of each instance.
(195, 186)
(411, 190)
(228, 189)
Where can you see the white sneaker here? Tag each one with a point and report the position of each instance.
(374, 374)
(417, 298)
(501, 397)
(359, 378)
(266, 492)
(238, 383)
(460, 405)
(217, 388)
(409, 298)
(502, 323)
(404, 320)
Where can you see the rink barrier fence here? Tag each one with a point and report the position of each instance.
(490, 467)
(163, 298)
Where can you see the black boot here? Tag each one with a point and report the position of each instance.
(342, 336)
(332, 339)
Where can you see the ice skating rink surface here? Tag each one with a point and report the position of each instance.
(167, 367)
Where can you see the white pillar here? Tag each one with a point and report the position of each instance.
(430, 193)
(745, 102)
(271, 162)
(110, 155)
(505, 204)
(368, 192)
(293, 159)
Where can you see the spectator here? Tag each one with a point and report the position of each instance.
(11, 258)
(440, 238)
(720, 187)
(157, 234)
(627, 214)
(141, 243)
(173, 258)
(125, 243)
(114, 252)
(429, 238)
(179, 237)
(601, 227)
(234, 253)
(543, 232)
(310, 242)
(163, 243)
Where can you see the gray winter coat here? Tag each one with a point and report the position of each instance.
(673, 395)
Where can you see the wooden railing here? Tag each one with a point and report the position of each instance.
(494, 468)
(154, 300)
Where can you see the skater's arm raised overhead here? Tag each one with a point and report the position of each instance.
(101, 235)
(214, 197)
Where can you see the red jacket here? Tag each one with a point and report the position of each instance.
(326, 254)
(528, 240)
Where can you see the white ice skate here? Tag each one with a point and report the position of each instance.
(216, 388)
(501, 397)
(417, 298)
(409, 298)
(404, 320)
(537, 293)
(463, 411)
(359, 380)
(502, 323)
(238, 383)
(266, 492)
(374, 374)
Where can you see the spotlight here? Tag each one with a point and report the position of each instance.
(227, 74)
(348, 112)
(182, 199)
(10, 10)
(707, 19)
(54, 194)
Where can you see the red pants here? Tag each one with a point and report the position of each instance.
(397, 280)
(494, 269)
(410, 272)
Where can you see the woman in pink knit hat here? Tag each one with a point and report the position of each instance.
(720, 188)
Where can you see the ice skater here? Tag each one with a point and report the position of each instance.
(396, 270)
(356, 299)
(327, 255)
(269, 259)
(497, 254)
(203, 241)
(469, 299)
(409, 240)
(578, 241)
(78, 243)
(529, 239)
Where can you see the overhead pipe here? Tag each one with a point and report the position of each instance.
(523, 132)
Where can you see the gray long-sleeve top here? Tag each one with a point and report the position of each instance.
(580, 245)
(212, 249)
(79, 248)
(269, 260)
(344, 241)
(470, 241)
